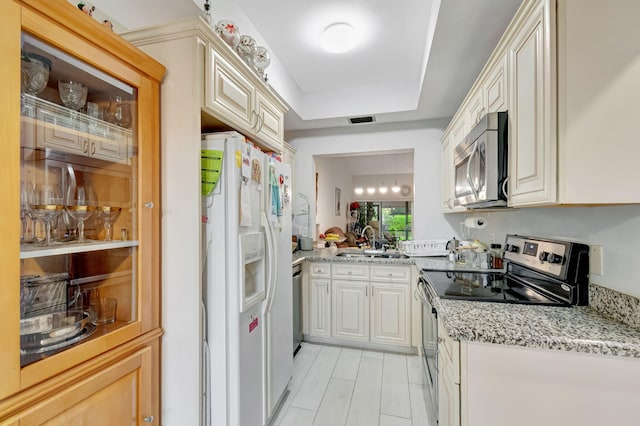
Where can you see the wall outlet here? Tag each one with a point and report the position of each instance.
(596, 260)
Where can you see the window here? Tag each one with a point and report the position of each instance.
(395, 224)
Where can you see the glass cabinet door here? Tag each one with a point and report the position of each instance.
(78, 202)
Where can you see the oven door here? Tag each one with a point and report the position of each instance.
(429, 341)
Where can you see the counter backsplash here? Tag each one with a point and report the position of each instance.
(615, 305)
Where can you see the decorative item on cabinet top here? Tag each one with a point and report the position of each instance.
(245, 46)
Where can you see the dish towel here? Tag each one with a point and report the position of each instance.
(276, 207)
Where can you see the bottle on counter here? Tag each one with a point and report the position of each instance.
(496, 252)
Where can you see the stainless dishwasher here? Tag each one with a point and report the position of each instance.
(297, 307)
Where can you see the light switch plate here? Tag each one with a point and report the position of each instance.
(596, 260)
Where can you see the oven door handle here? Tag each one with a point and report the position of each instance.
(419, 292)
(469, 181)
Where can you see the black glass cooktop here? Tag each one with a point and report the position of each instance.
(487, 286)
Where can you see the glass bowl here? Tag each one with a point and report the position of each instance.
(246, 49)
(34, 73)
(229, 32)
(261, 60)
(72, 94)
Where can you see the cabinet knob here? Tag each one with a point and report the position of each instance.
(148, 419)
(149, 204)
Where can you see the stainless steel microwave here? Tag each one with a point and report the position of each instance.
(481, 162)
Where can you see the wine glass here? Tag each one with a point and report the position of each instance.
(109, 216)
(81, 202)
(45, 205)
(119, 112)
(26, 193)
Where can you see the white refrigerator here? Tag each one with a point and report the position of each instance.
(278, 306)
(244, 296)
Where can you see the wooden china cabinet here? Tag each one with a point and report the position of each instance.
(79, 221)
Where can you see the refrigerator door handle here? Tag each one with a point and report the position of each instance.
(272, 261)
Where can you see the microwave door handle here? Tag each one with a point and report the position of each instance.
(504, 188)
(473, 188)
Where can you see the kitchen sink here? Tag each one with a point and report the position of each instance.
(372, 254)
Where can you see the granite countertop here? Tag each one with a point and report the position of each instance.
(609, 326)
(575, 329)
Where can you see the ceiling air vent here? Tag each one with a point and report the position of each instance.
(360, 120)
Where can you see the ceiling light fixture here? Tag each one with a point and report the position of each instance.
(358, 190)
(339, 38)
(371, 190)
(383, 189)
(395, 188)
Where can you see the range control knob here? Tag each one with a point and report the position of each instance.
(555, 258)
(544, 256)
(513, 248)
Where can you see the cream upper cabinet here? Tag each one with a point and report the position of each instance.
(228, 94)
(495, 88)
(598, 79)
(476, 108)
(270, 126)
(231, 96)
(532, 139)
(456, 133)
(569, 142)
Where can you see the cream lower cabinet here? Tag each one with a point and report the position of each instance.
(371, 303)
(350, 300)
(320, 299)
(448, 379)
(391, 305)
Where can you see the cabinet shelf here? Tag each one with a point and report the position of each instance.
(27, 252)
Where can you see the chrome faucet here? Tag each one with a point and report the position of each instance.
(373, 235)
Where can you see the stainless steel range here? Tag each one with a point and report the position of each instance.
(538, 271)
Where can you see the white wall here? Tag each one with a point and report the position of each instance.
(389, 180)
(422, 137)
(332, 173)
(615, 228)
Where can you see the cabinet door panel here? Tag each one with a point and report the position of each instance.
(351, 310)
(390, 314)
(350, 271)
(400, 274)
(271, 127)
(320, 308)
(532, 144)
(230, 94)
(118, 395)
(496, 87)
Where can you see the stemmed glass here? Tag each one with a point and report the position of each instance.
(26, 193)
(119, 112)
(109, 216)
(45, 205)
(81, 202)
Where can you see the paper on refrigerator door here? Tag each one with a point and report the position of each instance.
(245, 206)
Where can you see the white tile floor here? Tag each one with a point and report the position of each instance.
(347, 387)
